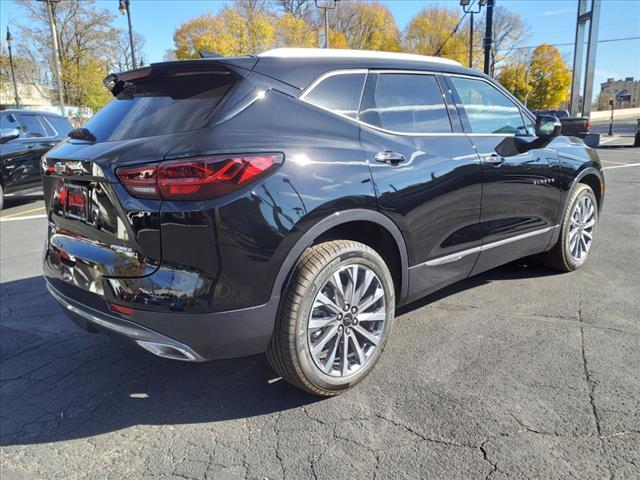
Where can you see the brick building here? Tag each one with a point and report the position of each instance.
(625, 92)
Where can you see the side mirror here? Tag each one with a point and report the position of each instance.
(7, 134)
(548, 126)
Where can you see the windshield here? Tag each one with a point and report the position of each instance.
(176, 102)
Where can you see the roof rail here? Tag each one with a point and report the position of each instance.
(346, 53)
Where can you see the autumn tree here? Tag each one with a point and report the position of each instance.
(514, 78)
(510, 32)
(365, 25)
(238, 29)
(89, 47)
(430, 33)
(549, 77)
(292, 31)
(296, 8)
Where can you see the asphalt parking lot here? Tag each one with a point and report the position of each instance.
(518, 373)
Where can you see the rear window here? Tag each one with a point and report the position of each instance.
(61, 125)
(176, 102)
(339, 93)
(33, 126)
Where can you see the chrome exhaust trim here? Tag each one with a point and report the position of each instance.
(150, 340)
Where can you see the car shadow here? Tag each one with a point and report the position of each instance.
(18, 200)
(59, 383)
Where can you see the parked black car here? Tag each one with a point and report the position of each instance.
(289, 202)
(26, 135)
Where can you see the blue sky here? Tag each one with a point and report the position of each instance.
(551, 21)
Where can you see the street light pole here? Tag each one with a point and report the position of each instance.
(13, 74)
(325, 6)
(611, 102)
(488, 37)
(466, 8)
(471, 41)
(124, 8)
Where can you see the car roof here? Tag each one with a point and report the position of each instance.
(36, 112)
(300, 66)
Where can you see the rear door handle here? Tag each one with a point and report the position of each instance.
(494, 159)
(392, 158)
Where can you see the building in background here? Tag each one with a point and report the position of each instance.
(34, 96)
(626, 93)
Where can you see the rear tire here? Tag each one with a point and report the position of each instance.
(577, 231)
(339, 306)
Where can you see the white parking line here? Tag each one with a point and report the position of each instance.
(623, 166)
(28, 217)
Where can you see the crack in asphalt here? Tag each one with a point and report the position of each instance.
(591, 385)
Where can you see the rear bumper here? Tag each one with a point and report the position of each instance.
(178, 336)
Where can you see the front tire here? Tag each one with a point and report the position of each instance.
(577, 231)
(335, 319)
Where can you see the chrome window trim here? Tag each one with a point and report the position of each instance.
(454, 257)
(347, 71)
(326, 75)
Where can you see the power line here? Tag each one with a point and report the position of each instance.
(531, 47)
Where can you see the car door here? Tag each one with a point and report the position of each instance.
(521, 176)
(426, 174)
(13, 154)
(39, 138)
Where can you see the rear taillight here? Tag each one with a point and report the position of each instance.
(198, 178)
(588, 123)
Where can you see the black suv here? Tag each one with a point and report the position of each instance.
(26, 135)
(289, 202)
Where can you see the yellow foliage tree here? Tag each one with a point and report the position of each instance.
(337, 39)
(232, 32)
(431, 29)
(295, 32)
(366, 25)
(549, 77)
(514, 78)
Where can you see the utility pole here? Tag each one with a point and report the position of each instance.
(56, 54)
(13, 74)
(124, 8)
(488, 37)
(324, 5)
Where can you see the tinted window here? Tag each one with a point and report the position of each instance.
(338, 93)
(488, 109)
(61, 125)
(47, 127)
(407, 103)
(176, 102)
(8, 120)
(33, 126)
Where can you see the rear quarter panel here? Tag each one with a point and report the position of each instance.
(324, 171)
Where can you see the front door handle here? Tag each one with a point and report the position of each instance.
(392, 158)
(494, 159)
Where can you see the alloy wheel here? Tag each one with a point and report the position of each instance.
(581, 228)
(347, 320)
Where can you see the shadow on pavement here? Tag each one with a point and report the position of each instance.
(58, 382)
(11, 202)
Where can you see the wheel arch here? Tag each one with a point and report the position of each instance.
(348, 225)
(593, 179)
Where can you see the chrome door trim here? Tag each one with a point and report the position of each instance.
(454, 257)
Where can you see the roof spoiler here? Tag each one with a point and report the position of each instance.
(241, 66)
